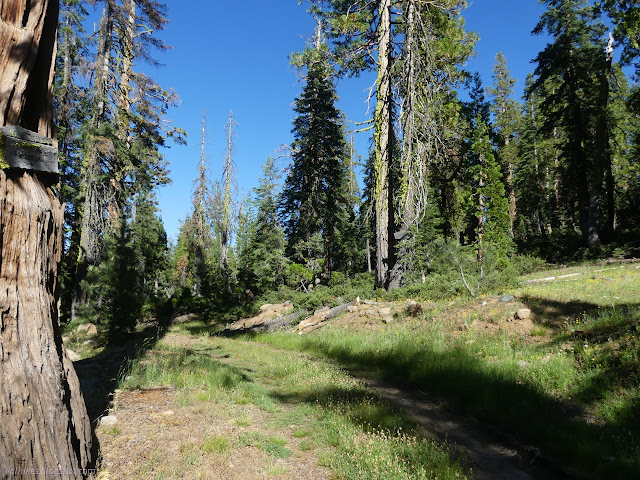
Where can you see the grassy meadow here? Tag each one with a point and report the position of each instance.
(566, 383)
(285, 406)
(570, 385)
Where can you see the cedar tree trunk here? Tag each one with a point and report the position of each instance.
(44, 426)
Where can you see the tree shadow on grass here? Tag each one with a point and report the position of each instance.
(457, 377)
(204, 329)
(607, 341)
(356, 404)
(555, 314)
(100, 375)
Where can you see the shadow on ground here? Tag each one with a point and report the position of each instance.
(585, 450)
(561, 428)
(100, 375)
(555, 314)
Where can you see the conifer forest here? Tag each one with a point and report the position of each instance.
(462, 181)
(462, 188)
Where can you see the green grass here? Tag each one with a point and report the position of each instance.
(216, 444)
(307, 445)
(115, 430)
(190, 454)
(196, 374)
(571, 388)
(381, 456)
(302, 432)
(275, 469)
(575, 392)
(275, 447)
(318, 408)
(241, 422)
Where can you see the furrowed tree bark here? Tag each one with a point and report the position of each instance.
(91, 199)
(44, 423)
(385, 220)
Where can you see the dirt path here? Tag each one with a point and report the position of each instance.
(161, 433)
(492, 454)
(158, 435)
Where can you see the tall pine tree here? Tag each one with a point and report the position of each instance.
(435, 40)
(262, 254)
(315, 199)
(124, 129)
(575, 64)
(507, 115)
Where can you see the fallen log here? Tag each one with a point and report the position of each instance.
(622, 260)
(270, 318)
(321, 317)
(284, 322)
(551, 279)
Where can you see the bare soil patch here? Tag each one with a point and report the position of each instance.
(157, 437)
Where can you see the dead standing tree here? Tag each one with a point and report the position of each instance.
(45, 426)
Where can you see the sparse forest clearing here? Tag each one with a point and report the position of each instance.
(372, 305)
(284, 405)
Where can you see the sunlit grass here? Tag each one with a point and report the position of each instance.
(275, 469)
(320, 409)
(598, 285)
(216, 444)
(578, 380)
(570, 387)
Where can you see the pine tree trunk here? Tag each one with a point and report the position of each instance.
(594, 208)
(125, 33)
(603, 149)
(26, 94)
(385, 223)
(44, 422)
(558, 219)
(90, 199)
(588, 185)
(226, 205)
(481, 213)
(512, 194)
(612, 220)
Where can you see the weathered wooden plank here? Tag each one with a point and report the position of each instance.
(27, 150)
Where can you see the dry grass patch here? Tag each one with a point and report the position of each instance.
(191, 427)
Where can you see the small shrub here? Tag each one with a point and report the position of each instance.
(337, 279)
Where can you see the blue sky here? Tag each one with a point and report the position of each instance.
(234, 57)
